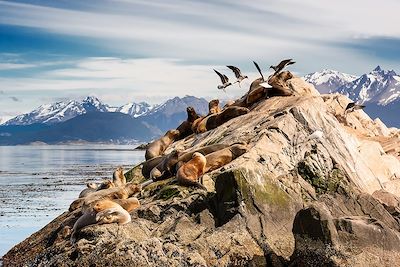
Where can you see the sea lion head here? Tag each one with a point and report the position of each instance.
(238, 150)
(191, 113)
(106, 184)
(213, 106)
(173, 134)
(92, 185)
(132, 188)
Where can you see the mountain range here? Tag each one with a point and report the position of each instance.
(90, 120)
(379, 90)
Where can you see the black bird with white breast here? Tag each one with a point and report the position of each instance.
(278, 68)
(353, 107)
(238, 74)
(224, 80)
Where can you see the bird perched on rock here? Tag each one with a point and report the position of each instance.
(282, 65)
(353, 107)
(224, 80)
(238, 74)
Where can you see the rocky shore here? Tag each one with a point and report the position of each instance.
(296, 198)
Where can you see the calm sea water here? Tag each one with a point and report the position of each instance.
(37, 183)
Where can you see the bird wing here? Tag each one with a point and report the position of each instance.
(283, 63)
(223, 77)
(226, 79)
(259, 70)
(236, 70)
(350, 105)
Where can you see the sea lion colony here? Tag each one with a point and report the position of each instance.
(111, 201)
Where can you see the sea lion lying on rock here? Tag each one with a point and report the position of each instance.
(166, 168)
(128, 204)
(186, 156)
(185, 128)
(93, 187)
(157, 147)
(279, 84)
(87, 218)
(213, 121)
(113, 215)
(119, 177)
(148, 165)
(123, 192)
(222, 157)
(188, 174)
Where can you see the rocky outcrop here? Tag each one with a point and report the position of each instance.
(316, 188)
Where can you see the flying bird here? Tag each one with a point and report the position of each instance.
(259, 70)
(238, 74)
(282, 65)
(224, 80)
(353, 107)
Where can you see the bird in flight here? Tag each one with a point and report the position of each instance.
(282, 65)
(224, 80)
(238, 74)
(353, 107)
(259, 70)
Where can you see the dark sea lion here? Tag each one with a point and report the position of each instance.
(279, 84)
(87, 218)
(185, 128)
(215, 120)
(213, 107)
(157, 147)
(119, 177)
(166, 168)
(188, 174)
(222, 157)
(148, 165)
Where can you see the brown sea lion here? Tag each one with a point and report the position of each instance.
(185, 128)
(113, 215)
(119, 177)
(222, 157)
(279, 84)
(128, 204)
(123, 192)
(157, 147)
(215, 120)
(166, 168)
(228, 103)
(189, 173)
(187, 155)
(148, 165)
(196, 123)
(213, 107)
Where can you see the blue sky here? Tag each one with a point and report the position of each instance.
(134, 50)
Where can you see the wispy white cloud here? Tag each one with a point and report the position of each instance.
(14, 66)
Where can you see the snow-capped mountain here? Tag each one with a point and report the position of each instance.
(379, 86)
(59, 112)
(135, 109)
(327, 81)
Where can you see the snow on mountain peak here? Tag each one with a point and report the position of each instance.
(328, 80)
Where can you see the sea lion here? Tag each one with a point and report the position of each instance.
(87, 218)
(119, 177)
(148, 165)
(122, 192)
(166, 168)
(157, 147)
(128, 204)
(196, 123)
(228, 103)
(213, 107)
(215, 120)
(222, 157)
(185, 128)
(93, 187)
(113, 215)
(186, 156)
(279, 84)
(189, 173)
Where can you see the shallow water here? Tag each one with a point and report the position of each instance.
(37, 183)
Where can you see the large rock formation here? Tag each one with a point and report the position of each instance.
(297, 198)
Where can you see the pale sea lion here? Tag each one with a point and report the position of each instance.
(119, 177)
(113, 215)
(185, 128)
(213, 107)
(128, 204)
(196, 123)
(93, 187)
(222, 157)
(189, 173)
(157, 147)
(279, 84)
(166, 168)
(186, 156)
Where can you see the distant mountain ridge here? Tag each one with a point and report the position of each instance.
(327, 81)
